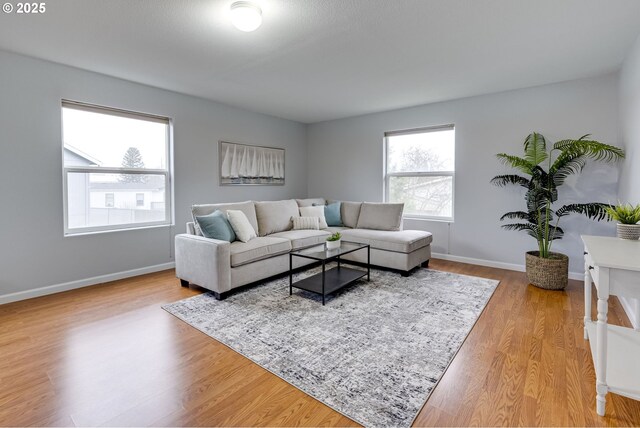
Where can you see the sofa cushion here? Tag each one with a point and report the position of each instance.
(380, 216)
(257, 249)
(303, 238)
(275, 216)
(309, 202)
(317, 211)
(241, 226)
(247, 208)
(216, 226)
(402, 241)
(306, 223)
(349, 211)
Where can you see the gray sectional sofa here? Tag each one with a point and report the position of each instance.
(222, 266)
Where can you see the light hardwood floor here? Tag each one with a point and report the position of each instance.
(109, 355)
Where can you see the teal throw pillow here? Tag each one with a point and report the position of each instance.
(332, 214)
(216, 226)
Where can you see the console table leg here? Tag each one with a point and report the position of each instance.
(587, 299)
(601, 355)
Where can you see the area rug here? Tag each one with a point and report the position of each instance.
(374, 353)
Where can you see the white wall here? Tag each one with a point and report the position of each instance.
(33, 251)
(629, 191)
(345, 161)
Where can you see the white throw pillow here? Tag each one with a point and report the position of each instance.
(241, 226)
(305, 223)
(315, 212)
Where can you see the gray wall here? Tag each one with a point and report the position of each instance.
(33, 251)
(630, 125)
(629, 191)
(345, 161)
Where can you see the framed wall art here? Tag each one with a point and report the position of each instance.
(243, 164)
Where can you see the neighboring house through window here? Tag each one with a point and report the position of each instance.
(109, 200)
(420, 171)
(113, 160)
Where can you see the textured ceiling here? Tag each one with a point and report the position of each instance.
(314, 60)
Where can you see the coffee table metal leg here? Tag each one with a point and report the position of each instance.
(290, 274)
(338, 262)
(323, 266)
(368, 263)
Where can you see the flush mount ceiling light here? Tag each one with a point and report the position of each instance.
(245, 15)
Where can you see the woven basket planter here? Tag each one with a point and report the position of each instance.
(628, 231)
(551, 273)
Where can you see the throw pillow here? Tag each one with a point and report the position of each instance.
(305, 223)
(315, 212)
(216, 226)
(241, 226)
(380, 216)
(332, 214)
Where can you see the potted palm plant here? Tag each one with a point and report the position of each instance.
(543, 171)
(627, 217)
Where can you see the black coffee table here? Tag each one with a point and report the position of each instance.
(332, 280)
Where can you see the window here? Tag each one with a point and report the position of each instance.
(420, 170)
(111, 160)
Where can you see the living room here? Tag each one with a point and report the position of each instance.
(329, 85)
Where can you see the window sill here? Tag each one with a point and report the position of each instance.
(430, 219)
(123, 229)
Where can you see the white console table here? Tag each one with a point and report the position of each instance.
(614, 266)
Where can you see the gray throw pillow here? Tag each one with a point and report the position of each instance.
(380, 216)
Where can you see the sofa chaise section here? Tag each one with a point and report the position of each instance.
(402, 250)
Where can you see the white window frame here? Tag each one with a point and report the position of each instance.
(388, 175)
(167, 173)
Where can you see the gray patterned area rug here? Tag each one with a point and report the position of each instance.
(375, 351)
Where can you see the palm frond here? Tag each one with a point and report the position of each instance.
(555, 233)
(592, 210)
(566, 164)
(538, 197)
(520, 215)
(531, 229)
(516, 162)
(589, 148)
(503, 180)
(535, 149)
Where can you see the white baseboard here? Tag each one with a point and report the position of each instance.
(632, 308)
(500, 265)
(72, 285)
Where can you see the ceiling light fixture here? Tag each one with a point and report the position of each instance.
(245, 15)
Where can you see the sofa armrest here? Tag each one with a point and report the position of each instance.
(203, 261)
